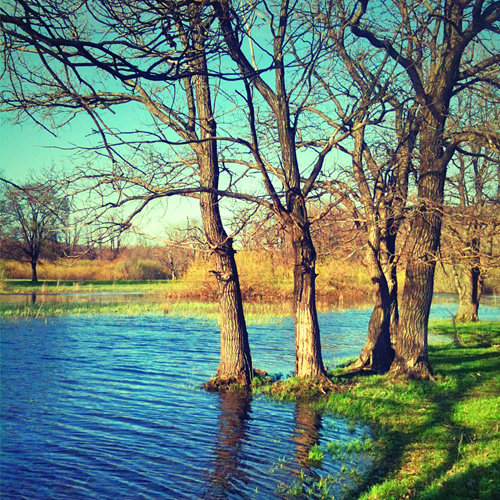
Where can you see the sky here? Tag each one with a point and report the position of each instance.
(27, 149)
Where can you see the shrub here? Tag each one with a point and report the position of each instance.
(140, 269)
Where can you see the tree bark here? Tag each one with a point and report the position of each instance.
(377, 354)
(235, 364)
(411, 357)
(308, 360)
(235, 360)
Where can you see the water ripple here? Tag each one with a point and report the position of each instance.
(112, 408)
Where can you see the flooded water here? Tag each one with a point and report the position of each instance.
(107, 407)
(111, 407)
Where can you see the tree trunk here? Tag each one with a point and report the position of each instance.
(308, 360)
(235, 360)
(411, 358)
(377, 354)
(469, 284)
(235, 364)
(34, 275)
(391, 274)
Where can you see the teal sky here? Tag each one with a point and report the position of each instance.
(27, 149)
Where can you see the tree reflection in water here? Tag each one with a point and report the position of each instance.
(233, 422)
(306, 433)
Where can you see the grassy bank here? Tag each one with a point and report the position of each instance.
(255, 312)
(430, 440)
(263, 275)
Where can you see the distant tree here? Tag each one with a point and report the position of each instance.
(471, 225)
(31, 221)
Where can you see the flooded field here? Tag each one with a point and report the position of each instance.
(111, 407)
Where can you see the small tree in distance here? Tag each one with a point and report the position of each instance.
(32, 216)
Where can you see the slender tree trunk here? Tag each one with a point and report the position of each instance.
(411, 357)
(308, 360)
(391, 274)
(235, 360)
(34, 275)
(377, 354)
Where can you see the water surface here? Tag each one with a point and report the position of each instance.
(107, 407)
(111, 407)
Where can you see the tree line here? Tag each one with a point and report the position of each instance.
(283, 110)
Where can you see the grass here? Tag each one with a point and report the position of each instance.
(430, 439)
(255, 313)
(69, 286)
(480, 334)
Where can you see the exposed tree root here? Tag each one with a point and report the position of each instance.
(304, 389)
(232, 384)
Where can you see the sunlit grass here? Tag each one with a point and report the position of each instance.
(430, 439)
(255, 313)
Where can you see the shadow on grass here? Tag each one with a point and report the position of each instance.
(477, 481)
(423, 456)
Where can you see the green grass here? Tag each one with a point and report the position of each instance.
(53, 286)
(430, 439)
(316, 456)
(481, 334)
(255, 313)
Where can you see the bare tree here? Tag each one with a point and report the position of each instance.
(470, 226)
(366, 100)
(33, 217)
(287, 183)
(428, 40)
(92, 57)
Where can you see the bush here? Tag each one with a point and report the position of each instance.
(141, 269)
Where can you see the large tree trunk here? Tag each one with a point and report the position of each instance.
(308, 360)
(411, 357)
(235, 360)
(377, 354)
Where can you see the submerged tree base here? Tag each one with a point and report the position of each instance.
(233, 384)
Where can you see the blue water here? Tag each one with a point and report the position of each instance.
(110, 407)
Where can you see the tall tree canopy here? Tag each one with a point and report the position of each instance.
(246, 101)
